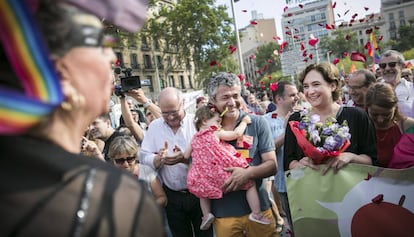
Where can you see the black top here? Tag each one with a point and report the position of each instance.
(108, 143)
(361, 128)
(47, 191)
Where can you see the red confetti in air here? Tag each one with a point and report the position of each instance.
(366, 8)
(355, 15)
(289, 14)
(320, 24)
(276, 37)
(350, 25)
(378, 199)
(368, 31)
(371, 16)
(328, 27)
(261, 82)
(305, 53)
(311, 56)
(313, 42)
(339, 15)
(285, 8)
(334, 5)
(213, 63)
(270, 61)
(296, 37)
(241, 77)
(347, 37)
(269, 77)
(305, 60)
(288, 33)
(283, 45)
(380, 38)
(246, 84)
(244, 10)
(359, 57)
(273, 86)
(253, 23)
(336, 61)
(361, 20)
(346, 12)
(232, 49)
(345, 54)
(302, 46)
(252, 56)
(376, 27)
(300, 5)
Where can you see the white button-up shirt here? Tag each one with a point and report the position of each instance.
(173, 176)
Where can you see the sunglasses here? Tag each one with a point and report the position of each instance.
(390, 64)
(121, 161)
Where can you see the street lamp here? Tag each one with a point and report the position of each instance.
(239, 53)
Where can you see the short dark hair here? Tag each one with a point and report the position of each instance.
(205, 112)
(368, 76)
(280, 91)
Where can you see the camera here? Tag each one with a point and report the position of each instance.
(128, 82)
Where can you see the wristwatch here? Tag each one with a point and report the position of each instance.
(148, 103)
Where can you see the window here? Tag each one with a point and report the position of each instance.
(391, 16)
(392, 25)
(182, 82)
(147, 61)
(156, 44)
(134, 61)
(158, 60)
(120, 58)
(171, 81)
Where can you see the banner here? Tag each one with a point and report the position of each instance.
(357, 201)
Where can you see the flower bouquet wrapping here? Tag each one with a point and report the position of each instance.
(320, 141)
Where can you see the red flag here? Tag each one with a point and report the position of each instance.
(357, 56)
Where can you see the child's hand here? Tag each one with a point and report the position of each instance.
(247, 119)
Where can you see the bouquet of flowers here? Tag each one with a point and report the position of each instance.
(318, 140)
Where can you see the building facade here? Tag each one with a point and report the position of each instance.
(299, 25)
(154, 62)
(252, 37)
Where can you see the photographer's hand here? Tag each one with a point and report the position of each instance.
(138, 95)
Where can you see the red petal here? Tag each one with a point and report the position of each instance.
(380, 38)
(296, 37)
(246, 84)
(339, 15)
(345, 54)
(361, 20)
(378, 199)
(300, 5)
(252, 56)
(270, 77)
(253, 23)
(305, 60)
(285, 8)
(347, 37)
(289, 14)
(368, 31)
(244, 10)
(357, 56)
(261, 82)
(311, 56)
(241, 77)
(328, 27)
(366, 8)
(302, 46)
(334, 5)
(346, 12)
(336, 61)
(232, 49)
(288, 33)
(371, 16)
(350, 25)
(213, 63)
(355, 15)
(369, 176)
(313, 42)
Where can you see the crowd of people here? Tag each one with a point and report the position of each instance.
(161, 171)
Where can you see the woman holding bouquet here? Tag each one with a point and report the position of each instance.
(322, 89)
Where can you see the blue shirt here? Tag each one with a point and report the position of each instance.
(277, 127)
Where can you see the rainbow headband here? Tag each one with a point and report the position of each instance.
(27, 54)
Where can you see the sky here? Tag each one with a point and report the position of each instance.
(274, 9)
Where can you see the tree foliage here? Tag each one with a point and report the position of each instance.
(200, 31)
(267, 59)
(337, 44)
(405, 42)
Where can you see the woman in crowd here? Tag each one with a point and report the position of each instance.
(322, 89)
(55, 80)
(390, 124)
(123, 153)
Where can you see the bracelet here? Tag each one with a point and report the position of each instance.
(147, 104)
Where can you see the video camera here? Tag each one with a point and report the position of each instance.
(128, 82)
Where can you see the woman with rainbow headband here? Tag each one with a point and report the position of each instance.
(55, 79)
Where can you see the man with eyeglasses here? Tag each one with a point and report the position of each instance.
(358, 83)
(391, 64)
(167, 135)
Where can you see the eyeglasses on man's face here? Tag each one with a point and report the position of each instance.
(390, 64)
(173, 113)
(120, 161)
